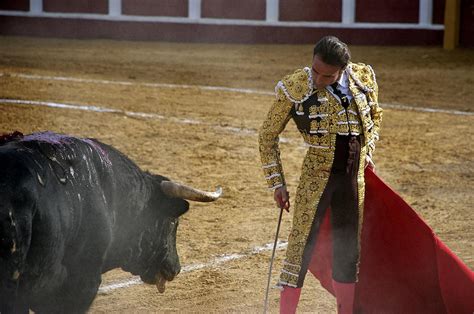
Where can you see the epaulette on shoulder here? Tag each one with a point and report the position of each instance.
(363, 75)
(298, 86)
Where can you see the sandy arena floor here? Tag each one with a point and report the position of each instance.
(209, 137)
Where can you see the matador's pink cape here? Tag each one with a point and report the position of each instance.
(404, 266)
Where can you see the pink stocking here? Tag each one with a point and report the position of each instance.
(344, 296)
(289, 299)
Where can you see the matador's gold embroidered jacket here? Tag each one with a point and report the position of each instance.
(319, 125)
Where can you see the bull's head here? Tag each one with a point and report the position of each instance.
(157, 244)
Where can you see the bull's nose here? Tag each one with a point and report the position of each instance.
(177, 269)
(170, 273)
(171, 276)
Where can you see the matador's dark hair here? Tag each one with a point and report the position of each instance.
(332, 51)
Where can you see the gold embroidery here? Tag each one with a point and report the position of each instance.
(297, 86)
(342, 123)
(276, 120)
(367, 103)
(361, 196)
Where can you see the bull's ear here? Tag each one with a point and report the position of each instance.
(174, 207)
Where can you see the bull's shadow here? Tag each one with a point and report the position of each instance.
(72, 209)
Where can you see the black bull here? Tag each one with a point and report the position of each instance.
(72, 209)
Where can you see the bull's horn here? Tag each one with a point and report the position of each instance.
(173, 189)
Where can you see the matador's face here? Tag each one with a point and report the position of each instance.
(324, 74)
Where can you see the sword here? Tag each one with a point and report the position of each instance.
(271, 261)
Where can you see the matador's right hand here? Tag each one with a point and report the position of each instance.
(282, 198)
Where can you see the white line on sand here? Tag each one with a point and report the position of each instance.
(215, 262)
(211, 88)
(230, 129)
(128, 83)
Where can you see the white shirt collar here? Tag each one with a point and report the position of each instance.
(343, 80)
(343, 85)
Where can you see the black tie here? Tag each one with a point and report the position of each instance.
(342, 97)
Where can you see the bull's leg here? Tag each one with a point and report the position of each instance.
(82, 282)
(21, 308)
(75, 296)
(87, 285)
(83, 263)
(21, 305)
(10, 300)
(7, 297)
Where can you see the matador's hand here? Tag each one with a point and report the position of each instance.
(282, 198)
(369, 163)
